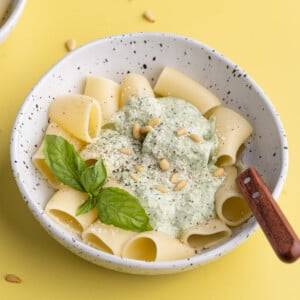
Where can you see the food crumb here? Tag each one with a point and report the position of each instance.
(174, 177)
(148, 15)
(70, 44)
(218, 172)
(13, 278)
(180, 185)
(161, 189)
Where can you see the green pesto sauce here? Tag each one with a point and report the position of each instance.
(176, 210)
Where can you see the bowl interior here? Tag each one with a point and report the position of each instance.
(147, 54)
(14, 11)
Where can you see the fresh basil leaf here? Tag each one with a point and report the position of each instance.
(88, 205)
(119, 208)
(93, 177)
(64, 162)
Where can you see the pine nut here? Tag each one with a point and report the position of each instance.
(181, 132)
(195, 137)
(139, 168)
(180, 185)
(70, 44)
(126, 151)
(164, 164)
(148, 15)
(146, 129)
(161, 188)
(136, 131)
(174, 177)
(219, 172)
(133, 177)
(13, 278)
(153, 122)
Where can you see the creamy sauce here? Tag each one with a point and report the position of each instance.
(170, 211)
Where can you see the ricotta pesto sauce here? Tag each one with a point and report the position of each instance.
(173, 211)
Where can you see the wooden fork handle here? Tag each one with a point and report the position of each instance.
(277, 229)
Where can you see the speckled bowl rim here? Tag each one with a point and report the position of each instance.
(136, 266)
(12, 20)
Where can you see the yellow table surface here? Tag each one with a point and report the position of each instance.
(260, 36)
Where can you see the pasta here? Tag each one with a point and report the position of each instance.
(106, 92)
(205, 235)
(231, 207)
(78, 114)
(173, 83)
(134, 85)
(78, 118)
(38, 158)
(107, 238)
(232, 130)
(155, 246)
(62, 207)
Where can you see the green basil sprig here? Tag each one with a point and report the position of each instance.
(114, 205)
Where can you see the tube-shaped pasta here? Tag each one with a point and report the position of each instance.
(38, 158)
(90, 157)
(135, 85)
(107, 238)
(62, 207)
(240, 165)
(174, 83)
(79, 115)
(231, 207)
(106, 92)
(155, 246)
(206, 234)
(232, 131)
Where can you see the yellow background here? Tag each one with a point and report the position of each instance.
(260, 36)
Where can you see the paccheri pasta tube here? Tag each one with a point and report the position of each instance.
(106, 92)
(62, 207)
(134, 85)
(206, 234)
(231, 207)
(77, 114)
(107, 238)
(176, 84)
(39, 158)
(155, 246)
(232, 130)
(154, 158)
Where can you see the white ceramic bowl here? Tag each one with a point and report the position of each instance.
(147, 53)
(14, 13)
